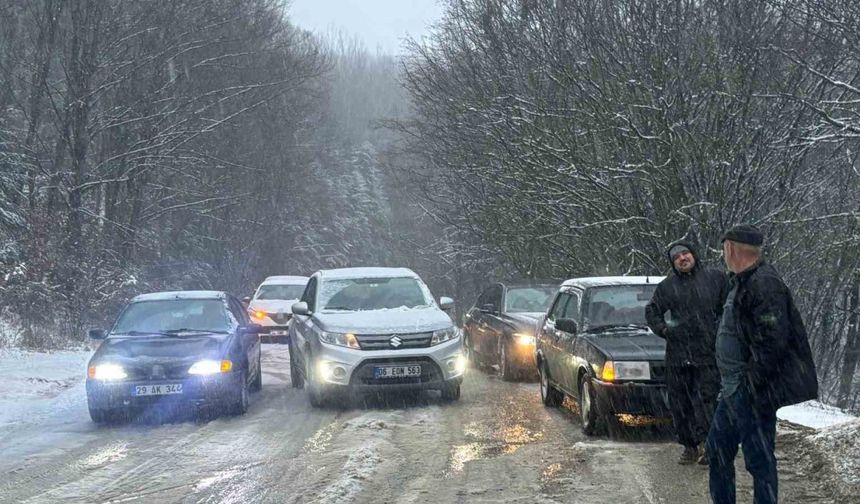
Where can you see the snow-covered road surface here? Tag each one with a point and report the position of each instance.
(497, 444)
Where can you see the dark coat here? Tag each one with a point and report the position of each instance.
(780, 370)
(695, 300)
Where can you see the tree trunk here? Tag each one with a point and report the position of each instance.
(852, 345)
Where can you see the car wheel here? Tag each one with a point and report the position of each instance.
(241, 398)
(100, 416)
(258, 378)
(588, 409)
(509, 371)
(550, 395)
(296, 379)
(451, 392)
(316, 396)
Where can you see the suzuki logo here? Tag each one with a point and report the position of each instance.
(395, 342)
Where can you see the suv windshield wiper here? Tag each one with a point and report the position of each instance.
(608, 327)
(339, 308)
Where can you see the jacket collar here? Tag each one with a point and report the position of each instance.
(745, 275)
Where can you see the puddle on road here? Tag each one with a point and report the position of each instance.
(510, 430)
(321, 440)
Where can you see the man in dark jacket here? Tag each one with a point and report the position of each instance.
(685, 310)
(765, 363)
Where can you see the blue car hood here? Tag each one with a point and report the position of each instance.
(160, 349)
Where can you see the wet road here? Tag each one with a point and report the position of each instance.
(498, 443)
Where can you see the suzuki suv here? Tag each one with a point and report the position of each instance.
(373, 329)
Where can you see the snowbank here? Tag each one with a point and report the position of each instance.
(839, 446)
(30, 383)
(814, 414)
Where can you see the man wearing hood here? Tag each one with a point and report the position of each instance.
(685, 310)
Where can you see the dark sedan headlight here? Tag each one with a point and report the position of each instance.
(444, 335)
(626, 370)
(208, 367)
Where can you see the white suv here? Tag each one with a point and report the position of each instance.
(373, 329)
(270, 306)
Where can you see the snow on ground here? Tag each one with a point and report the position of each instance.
(36, 385)
(814, 414)
(839, 445)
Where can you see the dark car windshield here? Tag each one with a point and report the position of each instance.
(617, 305)
(174, 315)
(528, 299)
(372, 294)
(274, 291)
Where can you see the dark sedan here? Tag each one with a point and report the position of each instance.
(595, 346)
(175, 351)
(500, 328)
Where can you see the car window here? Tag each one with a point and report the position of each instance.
(358, 294)
(276, 291)
(528, 299)
(571, 310)
(559, 306)
(616, 305)
(175, 314)
(310, 294)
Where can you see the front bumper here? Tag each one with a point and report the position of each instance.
(197, 391)
(523, 356)
(441, 365)
(632, 398)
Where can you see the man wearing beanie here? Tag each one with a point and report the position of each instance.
(765, 363)
(685, 310)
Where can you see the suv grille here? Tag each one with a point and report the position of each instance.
(394, 341)
(280, 318)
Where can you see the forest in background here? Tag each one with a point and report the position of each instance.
(207, 144)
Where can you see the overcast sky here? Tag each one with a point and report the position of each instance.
(378, 23)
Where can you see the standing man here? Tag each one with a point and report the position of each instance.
(765, 363)
(685, 310)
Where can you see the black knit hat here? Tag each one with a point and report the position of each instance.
(745, 233)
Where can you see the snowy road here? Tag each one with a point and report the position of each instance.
(498, 443)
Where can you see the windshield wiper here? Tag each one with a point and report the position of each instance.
(339, 308)
(175, 332)
(144, 333)
(607, 327)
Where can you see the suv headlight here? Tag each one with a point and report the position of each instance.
(444, 335)
(341, 339)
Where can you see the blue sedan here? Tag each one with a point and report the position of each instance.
(172, 351)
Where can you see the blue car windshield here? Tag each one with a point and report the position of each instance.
(153, 317)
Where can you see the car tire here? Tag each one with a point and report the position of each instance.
(508, 370)
(316, 396)
(589, 411)
(450, 392)
(100, 416)
(257, 385)
(296, 380)
(241, 396)
(551, 396)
